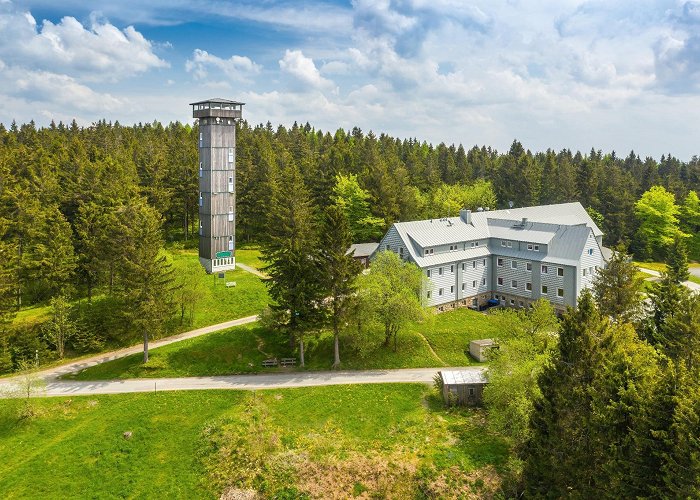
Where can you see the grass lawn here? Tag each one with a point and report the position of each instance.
(661, 267)
(249, 256)
(386, 440)
(217, 302)
(242, 349)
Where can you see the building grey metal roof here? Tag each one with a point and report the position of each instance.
(456, 377)
(216, 100)
(362, 249)
(564, 228)
(561, 213)
(451, 257)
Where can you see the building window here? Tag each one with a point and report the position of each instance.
(483, 281)
(584, 271)
(529, 246)
(528, 266)
(452, 289)
(428, 273)
(476, 244)
(503, 243)
(428, 293)
(513, 264)
(510, 244)
(462, 286)
(230, 242)
(230, 155)
(201, 200)
(560, 292)
(512, 302)
(230, 184)
(426, 251)
(431, 251)
(440, 273)
(520, 303)
(513, 284)
(473, 264)
(440, 292)
(544, 289)
(528, 287)
(401, 251)
(483, 262)
(499, 262)
(472, 244)
(590, 251)
(230, 213)
(560, 271)
(544, 269)
(201, 170)
(463, 266)
(590, 270)
(452, 268)
(500, 281)
(474, 284)
(537, 248)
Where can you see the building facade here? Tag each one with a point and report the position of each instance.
(515, 256)
(217, 182)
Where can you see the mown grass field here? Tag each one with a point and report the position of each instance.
(218, 303)
(242, 349)
(386, 440)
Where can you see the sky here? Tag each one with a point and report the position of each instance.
(611, 75)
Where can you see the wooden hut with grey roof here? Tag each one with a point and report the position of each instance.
(217, 181)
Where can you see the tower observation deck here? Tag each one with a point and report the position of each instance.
(217, 182)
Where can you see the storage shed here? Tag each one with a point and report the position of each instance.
(462, 387)
(362, 252)
(479, 349)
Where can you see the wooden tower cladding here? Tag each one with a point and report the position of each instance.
(217, 182)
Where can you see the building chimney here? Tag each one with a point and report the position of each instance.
(524, 220)
(466, 216)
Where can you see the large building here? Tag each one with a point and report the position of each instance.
(514, 256)
(217, 182)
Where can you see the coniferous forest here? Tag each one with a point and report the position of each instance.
(75, 201)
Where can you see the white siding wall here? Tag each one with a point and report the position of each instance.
(474, 271)
(445, 281)
(521, 275)
(588, 262)
(553, 282)
(392, 241)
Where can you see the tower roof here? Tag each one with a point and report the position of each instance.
(216, 100)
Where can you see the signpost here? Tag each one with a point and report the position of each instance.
(223, 255)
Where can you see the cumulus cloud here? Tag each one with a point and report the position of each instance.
(238, 68)
(303, 69)
(100, 52)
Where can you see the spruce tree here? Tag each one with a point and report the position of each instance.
(291, 252)
(617, 288)
(339, 270)
(146, 281)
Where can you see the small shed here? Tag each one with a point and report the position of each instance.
(462, 387)
(363, 251)
(479, 349)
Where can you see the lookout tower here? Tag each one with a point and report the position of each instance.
(217, 182)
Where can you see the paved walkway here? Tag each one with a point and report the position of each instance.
(656, 274)
(50, 374)
(251, 270)
(244, 382)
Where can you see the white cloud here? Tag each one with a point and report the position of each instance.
(303, 69)
(100, 52)
(238, 68)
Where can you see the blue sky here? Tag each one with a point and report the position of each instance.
(621, 75)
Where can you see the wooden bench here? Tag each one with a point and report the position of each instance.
(269, 362)
(230, 284)
(288, 362)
